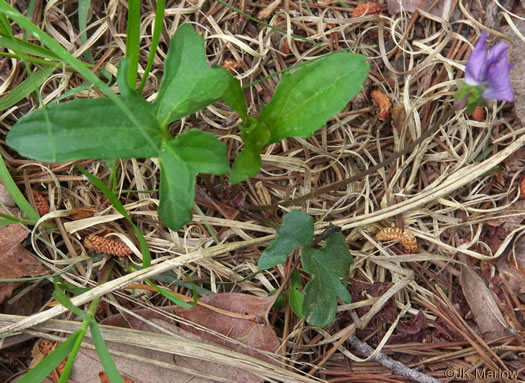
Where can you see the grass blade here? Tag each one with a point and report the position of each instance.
(133, 42)
(157, 29)
(104, 354)
(83, 9)
(169, 295)
(50, 362)
(76, 64)
(5, 27)
(16, 194)
(27, 48)
(25, 88)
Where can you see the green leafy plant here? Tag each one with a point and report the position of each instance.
(327, 266)
(62, 132)
(302, 104)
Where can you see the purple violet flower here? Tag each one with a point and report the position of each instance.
(490, 70)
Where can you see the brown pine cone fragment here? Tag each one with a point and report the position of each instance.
(107, 246)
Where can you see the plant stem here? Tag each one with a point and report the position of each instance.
(83, 328)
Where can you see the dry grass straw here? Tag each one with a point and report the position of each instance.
(439, 192)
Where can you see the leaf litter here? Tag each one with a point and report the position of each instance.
(236, 321)
(15, 260)
(415, 59)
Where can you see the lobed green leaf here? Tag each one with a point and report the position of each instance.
(327, 266)
(297, 230)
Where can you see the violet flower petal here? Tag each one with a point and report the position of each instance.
(476, 63)
(495, 55)
(498, 78)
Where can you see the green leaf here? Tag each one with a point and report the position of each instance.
(302, 104)
(88, 128)
(246, 165)
(305, 100)
(169, 295)
(248, 162)
(25, 88)
(234, 97)
(177, 189)
(202, 152)
(470, 95)
(327, 266)
(155, 38)
(104, 354)
(71, 288)
(295, 298)
(297, 230)
(40, 372)
(83, 15)
(15, 192)
(66, 302)
(26, 48)
(122, 79)
(295, 280)
(133, 41)
(100, 346)
(81, 67)
(188, 84)
(280, 301)
(5, 26)
(180, 160)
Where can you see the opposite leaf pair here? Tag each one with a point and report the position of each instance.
(100, 129)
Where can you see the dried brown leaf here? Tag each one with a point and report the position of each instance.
(103, 377)
(5, 197)
(241, 317)
(383, 102)
(478, 114)
(515, 161)
(256, 332)
(15, 260)
(512, 269)
(41, 349)
(482, 303)
(399, 116)
(509, 217)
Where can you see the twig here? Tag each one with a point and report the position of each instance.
(386, 361)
